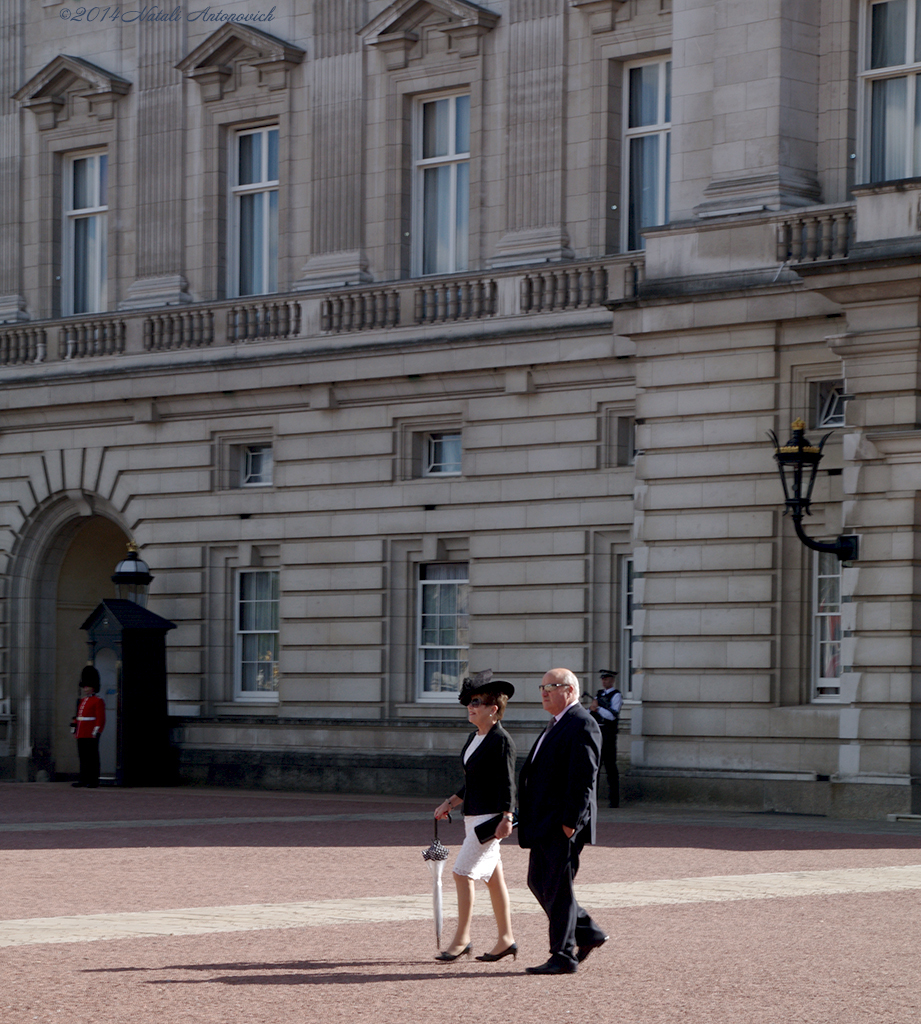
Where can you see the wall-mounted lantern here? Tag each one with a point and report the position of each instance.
(132, 578)
(799, 458)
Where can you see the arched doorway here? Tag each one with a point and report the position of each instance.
(83, 581)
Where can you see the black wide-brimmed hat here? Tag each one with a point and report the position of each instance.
(483, 682)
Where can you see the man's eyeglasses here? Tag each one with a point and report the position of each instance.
(547, 687)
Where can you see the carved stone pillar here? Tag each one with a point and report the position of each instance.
(12, 300)
(159, 231)
(535, 228)
(337, 142)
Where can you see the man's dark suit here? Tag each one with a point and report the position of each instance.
(557, 787)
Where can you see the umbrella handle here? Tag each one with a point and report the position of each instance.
(436, 824)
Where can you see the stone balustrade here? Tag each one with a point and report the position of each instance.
(564, 287)
(178, 329)
(817, 233)
(84, 338)
(417, 302)
(23, 343)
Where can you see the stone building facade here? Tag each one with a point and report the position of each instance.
(417, 337)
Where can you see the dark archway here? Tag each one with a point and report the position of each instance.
(60, 570)
(83, 581)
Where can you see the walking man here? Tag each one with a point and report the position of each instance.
(557, 806)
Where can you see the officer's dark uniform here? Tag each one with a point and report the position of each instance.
(610, 700)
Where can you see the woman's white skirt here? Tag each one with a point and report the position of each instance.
(477, 860)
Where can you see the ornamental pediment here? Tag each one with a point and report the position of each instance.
(399, 27)
(212, 62)
(46, 93)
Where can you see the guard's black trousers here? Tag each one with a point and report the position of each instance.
(88, 752)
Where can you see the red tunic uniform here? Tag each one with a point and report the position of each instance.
(91, 718)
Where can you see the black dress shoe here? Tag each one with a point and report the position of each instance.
(552, 967)
(77, 785)
(583, 951)
(491, 958)
(447, 957)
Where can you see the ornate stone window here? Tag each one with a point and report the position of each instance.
(891, 98)
(826, 621)
(254, 212)
(442, 628)
(243, 460)
(257, 631)
(626, 668)
(84, 264)
(442, 184)
(426, 447)
(647, 141)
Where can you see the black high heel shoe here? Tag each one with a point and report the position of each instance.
(449, 957)
(490, 958)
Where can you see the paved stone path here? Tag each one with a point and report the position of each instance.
(378, 910)
(228, 907)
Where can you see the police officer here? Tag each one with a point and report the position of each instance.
(605, 709)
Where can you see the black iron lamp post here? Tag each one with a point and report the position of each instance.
(800, 458)
(132, 577)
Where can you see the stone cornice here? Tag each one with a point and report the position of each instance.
(876, 345)
(211, 62)
(45, 93)
(601, 14)
(393, 31)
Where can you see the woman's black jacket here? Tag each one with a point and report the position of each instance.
(489, 775)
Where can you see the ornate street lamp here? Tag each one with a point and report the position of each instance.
(132, 577)
(797, 458)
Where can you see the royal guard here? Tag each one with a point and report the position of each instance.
(87, 726)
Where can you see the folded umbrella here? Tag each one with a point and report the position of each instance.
(435, 856)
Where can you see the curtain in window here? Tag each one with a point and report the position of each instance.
(258, 629)
(443, 626)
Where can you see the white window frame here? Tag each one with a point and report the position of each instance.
(250, 454)
(456, 161)
(241, 693)
(626, 606)
(263, 191)
(829, 399)
(429, 653)
(660, 129)
(826, 627)
(438, 458)
(908, 163)
(93, 261)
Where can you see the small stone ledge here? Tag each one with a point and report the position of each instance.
(376, 774)
(763, 792)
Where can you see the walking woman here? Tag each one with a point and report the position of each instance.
(488, 792)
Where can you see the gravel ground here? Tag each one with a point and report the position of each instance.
(823, 959)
